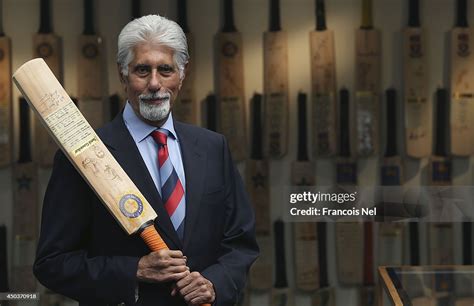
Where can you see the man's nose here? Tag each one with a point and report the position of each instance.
(154, 83)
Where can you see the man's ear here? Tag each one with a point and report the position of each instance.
(185, 71)
(120, 74)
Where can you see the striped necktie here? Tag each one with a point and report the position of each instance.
(172, 191)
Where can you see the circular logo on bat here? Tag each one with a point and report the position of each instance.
(44, 50)
(131, 206)
(463, 45)
(2, 54)
(90, 51)
(229, 49)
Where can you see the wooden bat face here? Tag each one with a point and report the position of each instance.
(349, 241)
(82, 146)
(418, 110)
(230, 87)
(90, 76)
(462, 90)
(5, 102)
(324, 297)
(282, 297)
(275, 63)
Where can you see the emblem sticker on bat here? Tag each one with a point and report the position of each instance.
(131, 206)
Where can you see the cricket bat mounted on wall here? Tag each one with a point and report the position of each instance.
(25, 209)
(325, 295)
(87, 152)
(418, 109)
(305, 233)
(48, 46)
(281, 294)
(275, 85)
(257, 181)
(185, 108)
(441, 234)
(323, 84)
(230, 84)
(349, 235)
(367, 83)
(462, 84)
(91, 78)
(6, 109)
(390, 233)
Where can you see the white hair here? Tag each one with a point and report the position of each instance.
(152, 29)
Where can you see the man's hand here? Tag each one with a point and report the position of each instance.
(195, 289)
(162, 266)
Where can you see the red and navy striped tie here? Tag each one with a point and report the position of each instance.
(172, 191)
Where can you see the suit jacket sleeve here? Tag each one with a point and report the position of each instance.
(63, 263)
(238, 248)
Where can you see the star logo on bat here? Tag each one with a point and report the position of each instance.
(258, 180)
(24, 182)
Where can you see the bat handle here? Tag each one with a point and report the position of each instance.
(154, 241)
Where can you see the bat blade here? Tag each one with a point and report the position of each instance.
(48, 47)
(230, 92)
(418, 110)
(275, 63)
(462, 92)
(367, 73)
(323, 80)
(5, 102)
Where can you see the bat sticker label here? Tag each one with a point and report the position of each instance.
(90, 51)
(346, 173)
(416, 50)
(131, 206)
(390, 176)
(441, 171)
(463, 45)
(24, 182)
(229, 49)
(44, 50)
(259, 180)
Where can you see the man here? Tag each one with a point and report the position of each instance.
(185, 172)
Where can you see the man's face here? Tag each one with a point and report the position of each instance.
(152, 83)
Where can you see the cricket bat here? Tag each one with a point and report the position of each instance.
(418, 109)
(48, 46)
(281, 293)
(323, 84)
(185, 107)
(230, 84)
(257, 181)
(6, 109)
(136, 9)
(390, 233)
(367, 83)
(441, 234)
(87, 152)
(275, 85)
(3, 259)
(349, 235)
(91, 78)
(462, 84)
(25, 208)
(304, 233)
(325, 295)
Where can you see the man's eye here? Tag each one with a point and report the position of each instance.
(165, 69)
(142, 69)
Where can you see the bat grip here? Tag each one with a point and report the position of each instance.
(154, 241)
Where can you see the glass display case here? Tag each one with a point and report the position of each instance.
(426, 285)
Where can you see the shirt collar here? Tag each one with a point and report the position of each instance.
(140, 129)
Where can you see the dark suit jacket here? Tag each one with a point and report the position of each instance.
(84, 254)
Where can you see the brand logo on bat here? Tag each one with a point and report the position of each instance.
(229, 49)
(131, 206)
(463, 45)
(44, 50)
(90, 51)
(415, 46)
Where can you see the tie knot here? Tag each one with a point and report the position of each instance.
(160, 136)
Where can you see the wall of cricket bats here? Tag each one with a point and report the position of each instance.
(391, 52)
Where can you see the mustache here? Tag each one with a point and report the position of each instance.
(155, 96)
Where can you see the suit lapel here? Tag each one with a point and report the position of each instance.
(194, 163)
(121, 144)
